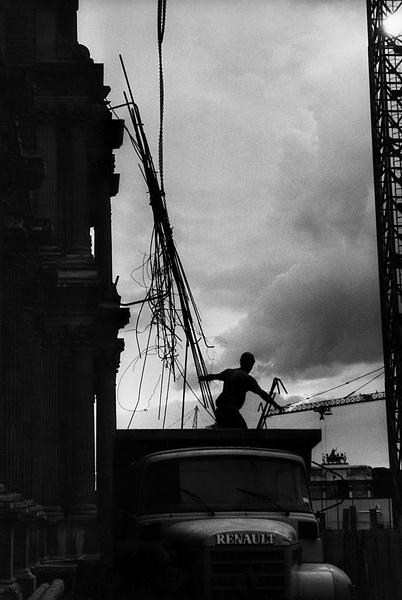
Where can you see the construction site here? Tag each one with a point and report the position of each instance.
(90, 510)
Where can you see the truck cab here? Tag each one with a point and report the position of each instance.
(224, 523)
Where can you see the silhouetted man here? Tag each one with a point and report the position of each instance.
(236, 384)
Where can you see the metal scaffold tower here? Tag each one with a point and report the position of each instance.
(385, 67)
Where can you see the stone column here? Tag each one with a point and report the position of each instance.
(80, 237)
(47, 148)
(9, 589)
(21, 570)
(28, 401)
(3, 405)
(12, 365)
(82, 414)
(48, 471)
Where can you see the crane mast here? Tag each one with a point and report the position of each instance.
(385, 69)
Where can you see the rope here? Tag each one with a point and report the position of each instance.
(161, 32)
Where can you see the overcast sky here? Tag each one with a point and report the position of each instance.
(268, 179)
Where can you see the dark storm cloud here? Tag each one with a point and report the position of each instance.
(310, 320)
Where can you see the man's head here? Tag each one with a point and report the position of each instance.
(247, 361)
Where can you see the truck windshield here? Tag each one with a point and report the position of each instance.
(230, 483)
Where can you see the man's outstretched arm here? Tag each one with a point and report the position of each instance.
(265, 396)
(210, 377)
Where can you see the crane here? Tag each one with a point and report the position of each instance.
(320, 406)
(385, 70)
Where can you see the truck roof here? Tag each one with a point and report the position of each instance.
(219, 451)
(131, 445)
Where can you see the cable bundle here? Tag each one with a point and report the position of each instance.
(168, 296)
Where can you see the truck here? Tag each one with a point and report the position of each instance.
(219, 515)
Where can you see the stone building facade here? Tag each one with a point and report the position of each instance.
(341, 481)
(60, 312)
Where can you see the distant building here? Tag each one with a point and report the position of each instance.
(339, 489)
(341, 481)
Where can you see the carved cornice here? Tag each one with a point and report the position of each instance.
(72, 51)
(66, 336)
(69, 81)
(68, 340)
(112, 317)
(108, 356)
(114, 133)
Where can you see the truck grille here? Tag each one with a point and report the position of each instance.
(238, 573)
